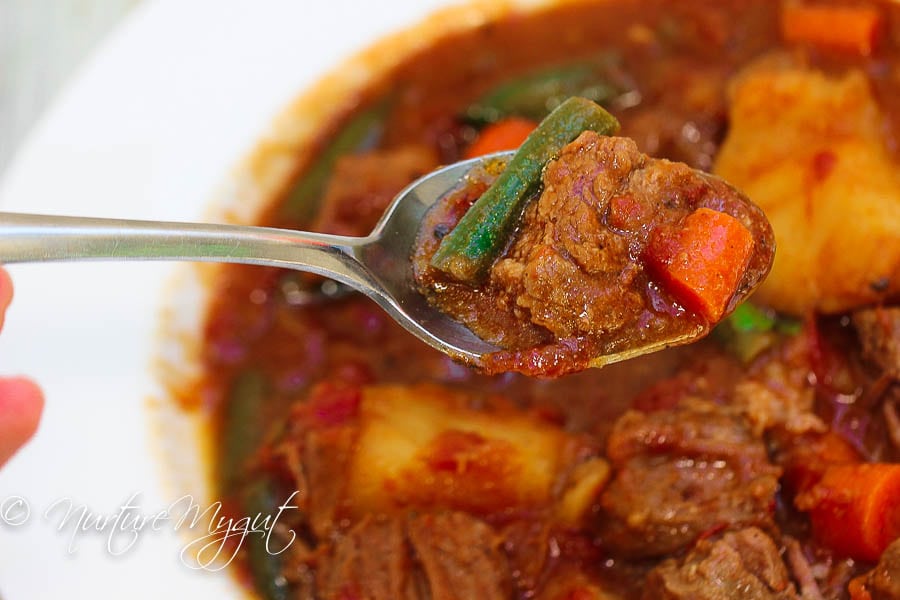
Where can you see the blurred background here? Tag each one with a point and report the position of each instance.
(42, 43)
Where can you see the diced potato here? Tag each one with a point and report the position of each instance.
(809, 150)
(586, 482)
(420, 446)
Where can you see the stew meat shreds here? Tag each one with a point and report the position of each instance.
(606, 259)
(742, 564)
(681, 474)
(416, 474)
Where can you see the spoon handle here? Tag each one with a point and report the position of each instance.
(39, 238)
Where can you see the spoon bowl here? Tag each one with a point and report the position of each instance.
(387, 254)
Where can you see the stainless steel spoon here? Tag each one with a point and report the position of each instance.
(378, 265)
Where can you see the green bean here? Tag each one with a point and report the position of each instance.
(748, 318)
(362, 132)
(536, 94)
(244, 425)
(266, 567)
(751, 330)
(467, 252)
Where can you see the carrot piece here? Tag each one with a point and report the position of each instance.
(846, 28)
(855, 509)
(702, 262)
(507, 134)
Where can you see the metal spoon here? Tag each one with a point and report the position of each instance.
(378, 265)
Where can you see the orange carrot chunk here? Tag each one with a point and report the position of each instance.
(855, 509)
(703, 261)
(852, 29)
(507, 134)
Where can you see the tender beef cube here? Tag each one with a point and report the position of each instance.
(680, 474)
(776, 393)
(362, 186)
(883, 582)
(447, 556)
(460, 556)
(879, 333)
(743, 564)
(567, 269)
(370, 562)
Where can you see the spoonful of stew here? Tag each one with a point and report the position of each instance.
(575, 251)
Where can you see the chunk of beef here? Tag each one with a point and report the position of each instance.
(446, 556)
(370, 562)
(777, 391)
(883, 582)
(680, 474)
(567, 269)
(362, 186)
(743, 564)
(460, 556)
(879, 333)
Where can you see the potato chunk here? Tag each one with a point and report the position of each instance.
(422, 446)
(809, 150)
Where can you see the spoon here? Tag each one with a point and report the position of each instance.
(378, 265)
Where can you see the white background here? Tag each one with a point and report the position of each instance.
(41, 41)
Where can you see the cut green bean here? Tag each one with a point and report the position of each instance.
(536, 94)
(266, 567)
(748, 318)
(243, 426)
(361, 133)
(750, 330)
(468, 251)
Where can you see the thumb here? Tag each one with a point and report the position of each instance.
(6, 293)
(21, 404)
